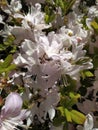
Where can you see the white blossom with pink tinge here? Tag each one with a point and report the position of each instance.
(11, 114)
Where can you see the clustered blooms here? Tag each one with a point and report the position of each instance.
(42, 58)
(47, 57)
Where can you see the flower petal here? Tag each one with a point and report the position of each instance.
(88, 124)
(23, 115)
(12, 106)
(51, 113)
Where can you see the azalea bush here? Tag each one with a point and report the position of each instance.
(48, 64)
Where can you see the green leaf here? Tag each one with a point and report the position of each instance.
(47, 18)
(95, 61)
(74, 98)
(13, 50)
(69, 5)
(77, 117)
(65, 113)
(8, 69)
(72, 115)
(61, 3)
(7, 61)
(2, 69)
(68, 115)
(25, 104)
(88, 74)
(61, 109)
(47, 11)
(96, 50)
(58, 121)
(52, 17)
(65, 126)
(56, 2)
(71, 84)
(65, 101)
(2, 47)
(6, 66)
(9, 40)
(11, 67)
(94, 24)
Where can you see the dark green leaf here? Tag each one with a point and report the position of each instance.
(95, 61)
(58, 121)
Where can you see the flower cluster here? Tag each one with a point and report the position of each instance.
(45, 54)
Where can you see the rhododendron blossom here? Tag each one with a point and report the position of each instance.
(34, 19)
(12, 114)
(48, 64)
(46, 58)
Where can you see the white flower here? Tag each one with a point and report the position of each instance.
(93, 11)
(50, 45)
(11, 114)
(54, 47)
(88, 124)
(16, 5)
(28, 57)
(34, 19)
(13, 7)
(42, 77)
(22, 33)
(46, 105)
